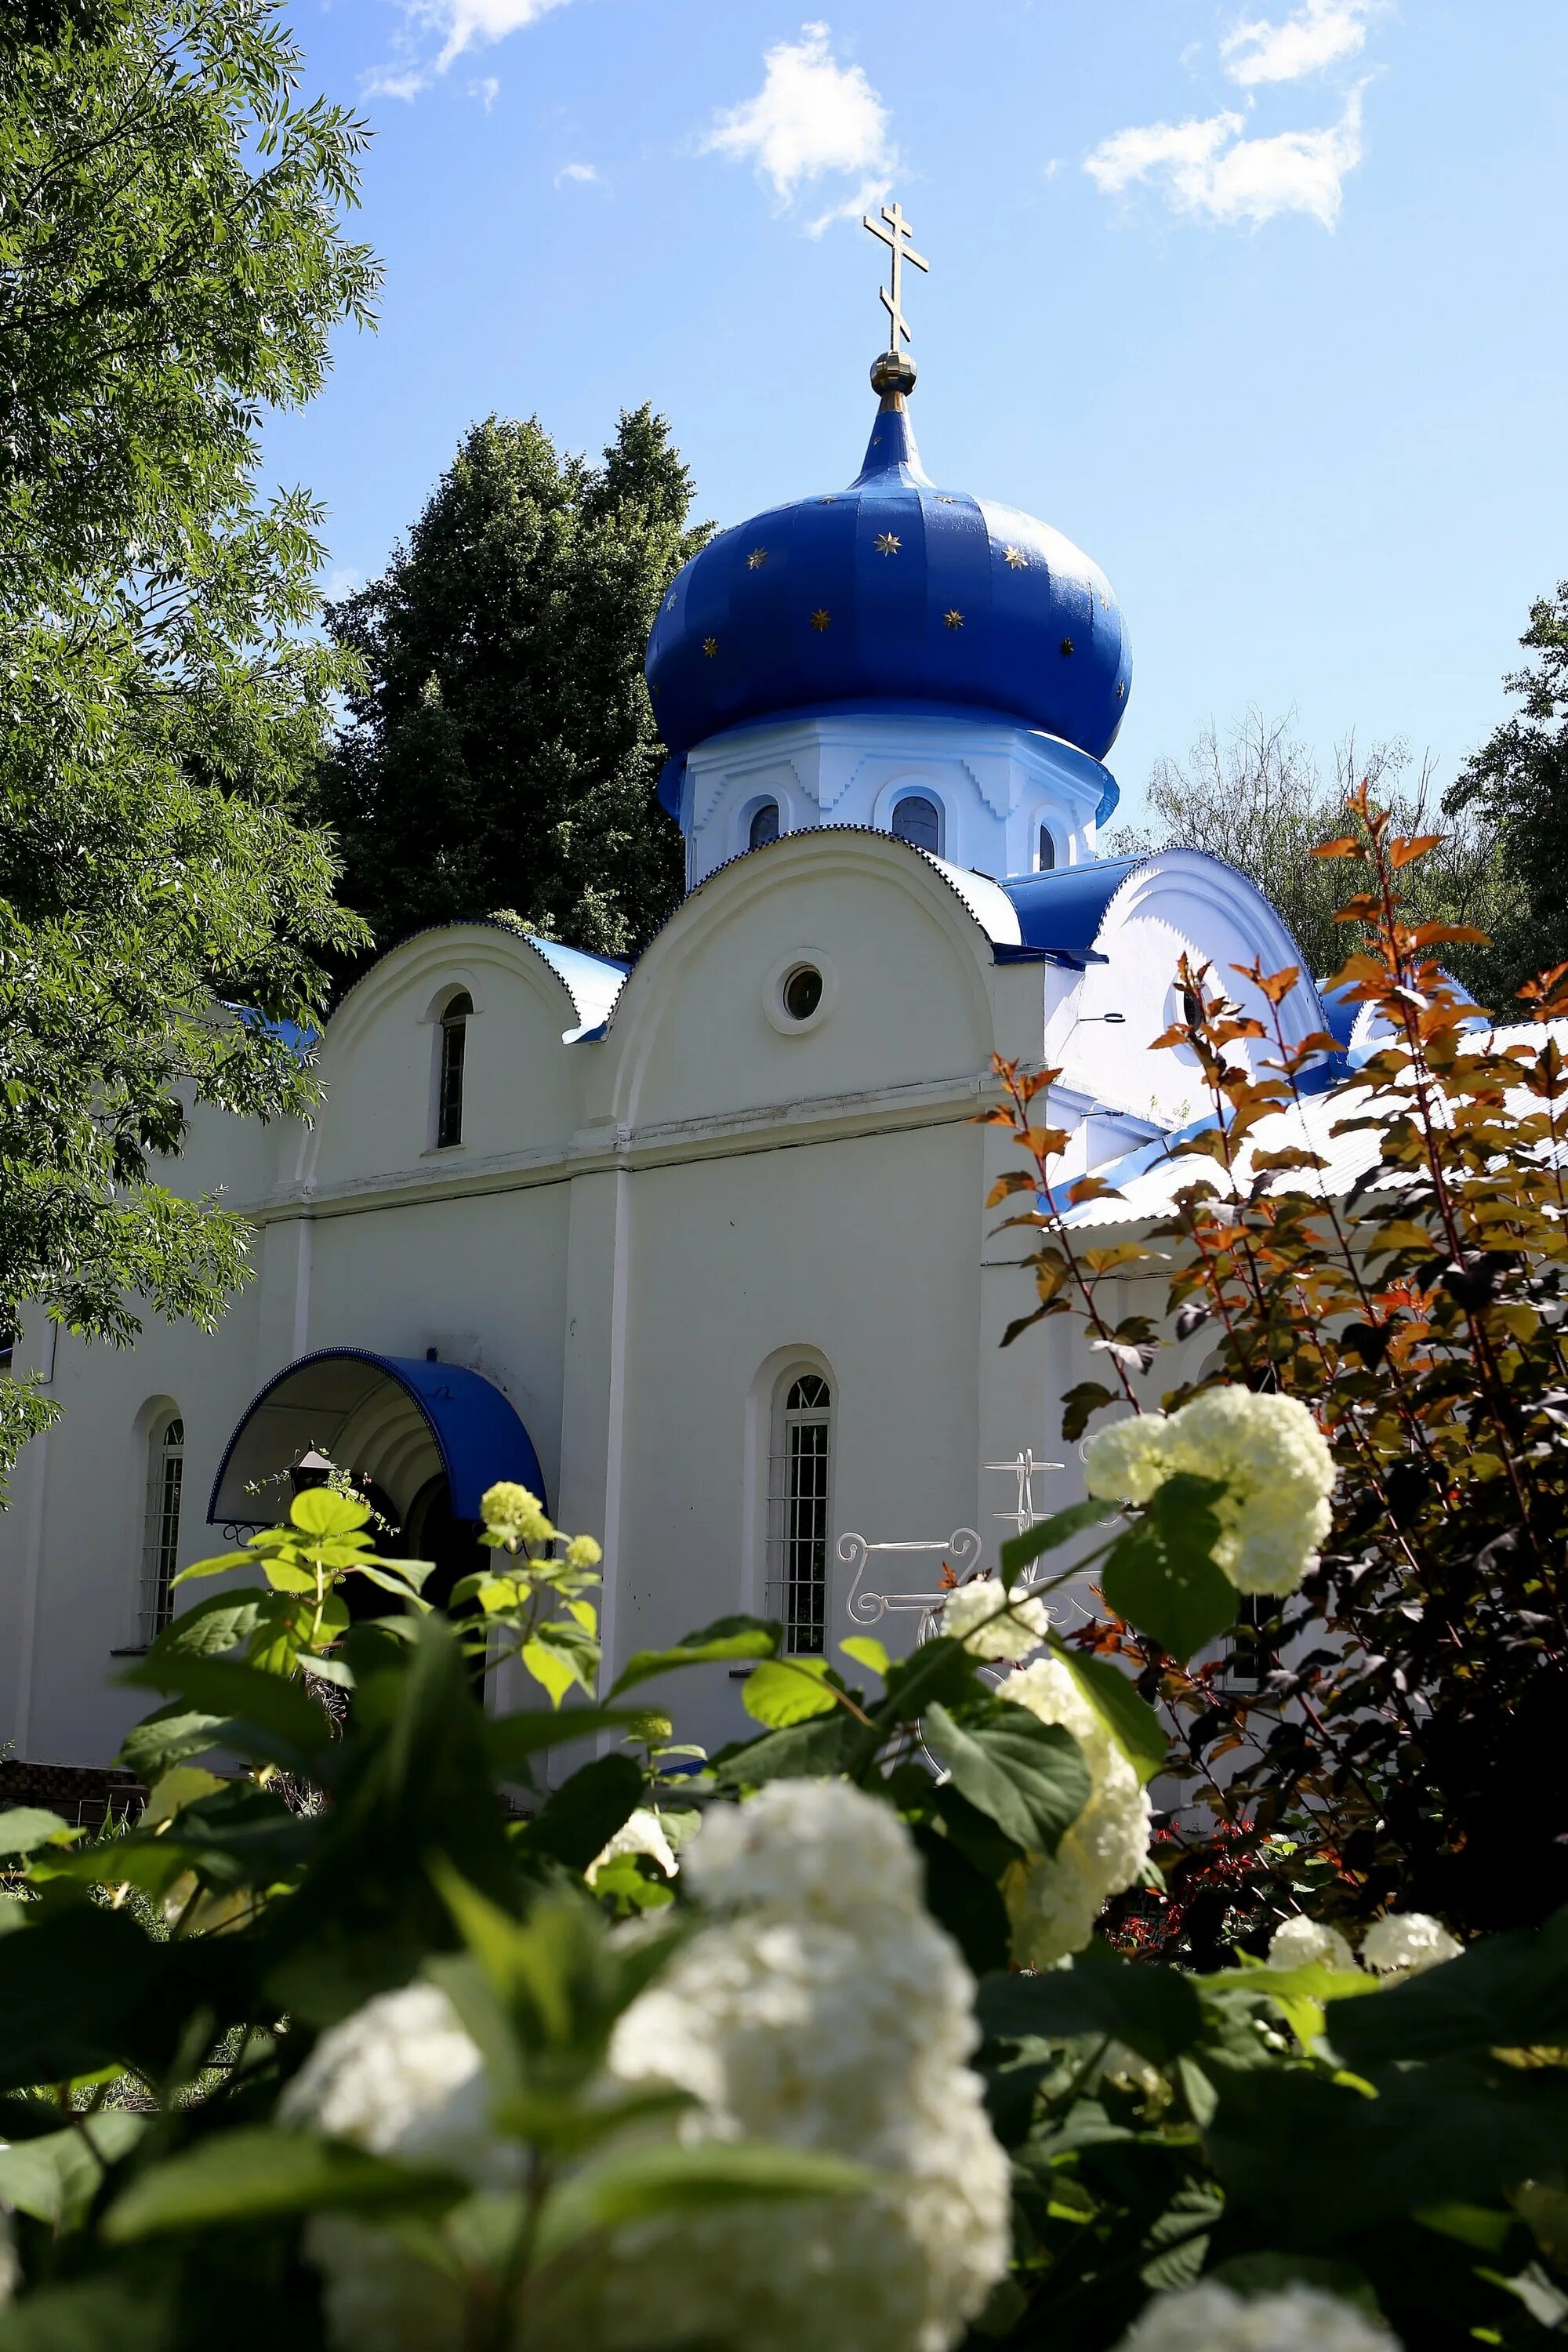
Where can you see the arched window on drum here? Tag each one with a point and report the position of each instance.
(452, 1049)
(918, 820)
(799, 1491)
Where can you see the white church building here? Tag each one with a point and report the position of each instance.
(697, 1249)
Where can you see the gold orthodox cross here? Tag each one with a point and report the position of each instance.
(895, 238)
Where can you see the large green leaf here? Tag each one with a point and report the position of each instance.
(580, 1819)
(1129, 1719)
(109, 2313)
(1504, 1992)
(728, 1638)
(25, 1828)
(1151, 2008)
(213, 1625)
(784, 1691)
(964, 1901)
(826, 1746)
(169, 1737)
(1161, 1575)
(942, 1670)
(512, 1741)
(262, 2172)
(640, 2183)
(274, 1705)
(68, 1989)
(56, 2176)
(1029, 1777)
(1048, 1534)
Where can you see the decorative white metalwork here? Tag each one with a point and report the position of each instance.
(960, 1552)
(1023, 1466)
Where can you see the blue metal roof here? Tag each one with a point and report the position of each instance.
(891, 589)
(478, 1433)
(1061, 912)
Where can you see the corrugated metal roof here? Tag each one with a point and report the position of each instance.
(1149, 1180)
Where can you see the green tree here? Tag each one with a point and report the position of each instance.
(1257, 798)
(501, 752)
(1517, 785)
(171, 264)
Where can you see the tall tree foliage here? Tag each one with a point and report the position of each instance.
(1257, 798)
(501, 754)
(171, 263)
(1517, 784)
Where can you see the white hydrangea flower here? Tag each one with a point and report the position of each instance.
(977, 1614)
(1267, 1452)
(641, 1832)
(1054, 1900)
(1209, 2318)
(402, 2077)
(824, 2009)
(1404, 1943)
(583, 1552)
(1304, 1943)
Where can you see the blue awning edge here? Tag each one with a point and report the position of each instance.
(476, 1428)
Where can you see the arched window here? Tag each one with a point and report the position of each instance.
(160, 1541)
(917, 820)
(797, 1511)
(1048, 856)
(764, 825)
(449, 1088)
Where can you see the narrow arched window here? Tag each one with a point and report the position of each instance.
(916, 820)
(764, 825)
(1048, 856)
(161, 1543)
(798, 1567)
(449, 1092)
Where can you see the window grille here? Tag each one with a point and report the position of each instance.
(161, 1552)
(797, 1515)
(449, 1100)
(764, 825)
(1047, 850)
(916, 820)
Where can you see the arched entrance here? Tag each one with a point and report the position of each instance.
(421, 1439)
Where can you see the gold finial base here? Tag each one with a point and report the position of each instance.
(892, 371)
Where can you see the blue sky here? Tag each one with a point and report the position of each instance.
(1262, 303)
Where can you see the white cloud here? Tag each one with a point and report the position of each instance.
(583, 173)
(811, 118)
(1321, 32)
(1209, 169)
(456, 26)
(488, 87)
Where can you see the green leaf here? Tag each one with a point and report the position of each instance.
(1029, 1777)
(642, 2183)
(54, 2177)
(729, 1638)
(25, 1828)
(68, 1986)
(321, 1512)
(578, 1822)
(106, 2314)
(220, 1566)
(964, 1901)
(815, 1750)
(1151, 2008)
(784, 1691)
(213, 1625)
(866, 1652)
(554, 1670)
(1046, 1535)
(1129, 1719)
(1161, 1575)
(510, 1740)
(1502, 1993)
(273, 1704)
(168, 1737)
(263, 2172)
(942, 1669)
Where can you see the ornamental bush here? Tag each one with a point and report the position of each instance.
(373, 2037)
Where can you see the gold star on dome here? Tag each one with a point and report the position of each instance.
(945, 499)
(820, 618)
(1121, 688)
(1015, 559)
(827, 503)
(1066, 644)
(887, 542)
(709, 646)
(954, 619)
(757, 558)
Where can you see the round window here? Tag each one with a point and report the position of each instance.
(802, 991)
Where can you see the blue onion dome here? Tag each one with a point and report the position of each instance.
(890, 591)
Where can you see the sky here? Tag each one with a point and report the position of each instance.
(1261, 304)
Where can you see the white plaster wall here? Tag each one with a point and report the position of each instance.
(994, 784)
